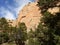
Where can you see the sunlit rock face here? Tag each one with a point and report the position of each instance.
(30, 15)
(54, 10)
(11, 22)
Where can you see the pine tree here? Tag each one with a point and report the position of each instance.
(21, 34)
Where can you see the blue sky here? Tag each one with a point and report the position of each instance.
(10, 8)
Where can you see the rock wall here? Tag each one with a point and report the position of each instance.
(30, 15)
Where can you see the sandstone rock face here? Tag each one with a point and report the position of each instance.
(11, 22)
(30, 15)
(54, 10)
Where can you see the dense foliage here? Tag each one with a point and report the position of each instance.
(47, 32)
(21, 34)
(45, 4)
(6, 31)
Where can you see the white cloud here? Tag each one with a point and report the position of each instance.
(13, 10)
(21, 4)
(22, 1)
(6, 13)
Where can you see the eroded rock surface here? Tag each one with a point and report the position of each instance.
(30, 15)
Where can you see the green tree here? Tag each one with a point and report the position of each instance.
(32, 39)
(50, 23)
(3, 24)
(6, 31)
(48, 30)
(21, 34)
(45, 4)
(3, 30)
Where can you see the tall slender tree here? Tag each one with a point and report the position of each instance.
(21, 34)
